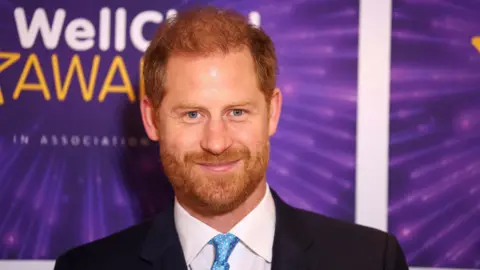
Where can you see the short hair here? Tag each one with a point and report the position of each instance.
(203, 31)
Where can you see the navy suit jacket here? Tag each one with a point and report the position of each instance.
(303, 240)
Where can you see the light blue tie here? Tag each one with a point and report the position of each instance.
(224, 244)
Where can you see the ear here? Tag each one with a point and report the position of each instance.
(274, 113)
(149, 119)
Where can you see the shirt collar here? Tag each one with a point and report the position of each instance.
(193, 233)
(256, 230)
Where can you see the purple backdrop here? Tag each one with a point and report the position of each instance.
(435, 132)
(74, 170)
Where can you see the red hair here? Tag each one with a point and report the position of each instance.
(202, 31)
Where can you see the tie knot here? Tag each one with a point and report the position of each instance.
(224, 244)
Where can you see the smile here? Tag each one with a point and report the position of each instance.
(219, 167)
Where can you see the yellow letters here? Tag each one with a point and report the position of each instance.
(40, 86)
(476, 43)
(107, 87)
(32, 68)
(11, 59)
(75, 65)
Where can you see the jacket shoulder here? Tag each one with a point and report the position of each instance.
(343, 233)
(121, 244)
(350, 245)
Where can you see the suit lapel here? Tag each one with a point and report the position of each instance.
(292, 245)
(162, 248)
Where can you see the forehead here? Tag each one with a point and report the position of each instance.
(217, 76)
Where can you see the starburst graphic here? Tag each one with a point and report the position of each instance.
(435, 132)
(54, 197)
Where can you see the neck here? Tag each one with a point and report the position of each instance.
(225, 222)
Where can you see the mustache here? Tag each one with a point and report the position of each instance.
(227, 156)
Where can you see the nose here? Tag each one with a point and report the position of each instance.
(216, 137)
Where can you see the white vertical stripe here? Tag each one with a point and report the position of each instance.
(26, 265)
(371, 201)
(373, 113)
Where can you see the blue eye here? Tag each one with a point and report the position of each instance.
(237, 112)
(193, 114)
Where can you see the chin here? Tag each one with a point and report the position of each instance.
(221, 195)
(215, 193)
(218, 206)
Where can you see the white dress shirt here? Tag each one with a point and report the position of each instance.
(255, 231)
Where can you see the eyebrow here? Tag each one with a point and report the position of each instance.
(186, 106)
(192, 106)
(241, 104)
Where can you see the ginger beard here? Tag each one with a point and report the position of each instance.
(215, 193)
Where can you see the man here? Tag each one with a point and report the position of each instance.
(212, 104)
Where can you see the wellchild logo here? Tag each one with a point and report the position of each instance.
(80, 33)
(52, 82)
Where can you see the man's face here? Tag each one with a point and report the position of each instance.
(213, 126)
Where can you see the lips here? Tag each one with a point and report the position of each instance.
(219, 167)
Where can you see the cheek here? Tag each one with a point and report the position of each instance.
(181, 139)
(250, 134)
